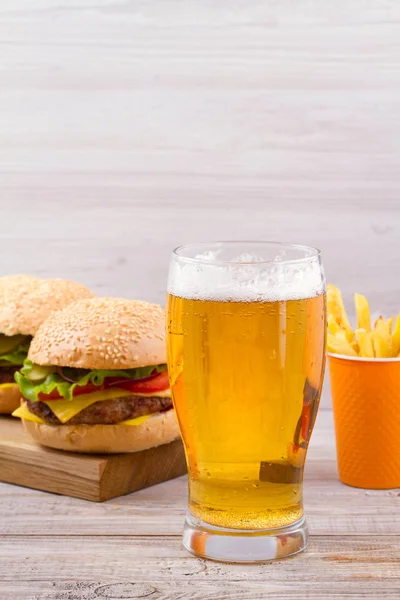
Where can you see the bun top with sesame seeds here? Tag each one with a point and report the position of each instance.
(102, 333)
(25, 301)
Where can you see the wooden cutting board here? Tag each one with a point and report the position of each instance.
(91, 477)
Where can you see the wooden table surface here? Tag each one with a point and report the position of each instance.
(60, 548)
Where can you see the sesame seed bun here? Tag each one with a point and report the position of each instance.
(10, 399)
(159, 429)
(102, 333)
(25, 301)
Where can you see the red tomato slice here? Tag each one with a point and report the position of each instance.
(78, 391)
(158, 383)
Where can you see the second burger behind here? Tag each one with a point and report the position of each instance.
(96, 379)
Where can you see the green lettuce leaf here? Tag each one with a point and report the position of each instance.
(17, 356)
(54, 381)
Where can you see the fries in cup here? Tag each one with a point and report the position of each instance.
(379, 341)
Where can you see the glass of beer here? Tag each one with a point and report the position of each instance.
(246, 359)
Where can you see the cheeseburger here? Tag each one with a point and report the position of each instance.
(25, 302)
(96, 379)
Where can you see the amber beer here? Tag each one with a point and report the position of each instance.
(246, 380)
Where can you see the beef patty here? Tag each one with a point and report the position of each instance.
(7, 374)
(106, 412)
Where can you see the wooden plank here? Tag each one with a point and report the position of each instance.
(91, 477)
(88, 568)
(331, 507)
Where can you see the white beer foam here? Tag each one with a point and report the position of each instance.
(265, 282)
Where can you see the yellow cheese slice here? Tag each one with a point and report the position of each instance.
(6, 386)
(66, 409)
(23, 412)
(163, 394)
(137, 421)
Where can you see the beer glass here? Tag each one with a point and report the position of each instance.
(246, 358)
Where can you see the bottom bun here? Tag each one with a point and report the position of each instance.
(159, 429)
(10, 399)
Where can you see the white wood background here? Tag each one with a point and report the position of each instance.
(129, 127)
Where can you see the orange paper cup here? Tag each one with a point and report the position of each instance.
(366, 408)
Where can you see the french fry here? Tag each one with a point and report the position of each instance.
(382, 340)
(336, 308)
(339, 346)
(342, 335)
(383, 332)
(382, 325)
(396, 336)
(362, 311)
(365, 343)
(350, 335)
(390, 324)
(333, 325)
